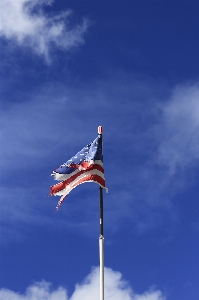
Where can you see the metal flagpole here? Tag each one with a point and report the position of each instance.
(101, 248)
(101, 239)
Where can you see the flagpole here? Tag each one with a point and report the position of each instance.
(101, 248)
(101, 238)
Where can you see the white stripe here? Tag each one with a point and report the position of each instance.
(71, 185)
(61, 177)
(67, 191)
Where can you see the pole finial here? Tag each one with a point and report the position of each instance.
(100, 129)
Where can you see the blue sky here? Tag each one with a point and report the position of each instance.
(66, 68)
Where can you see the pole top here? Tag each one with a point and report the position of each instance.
(100, 129)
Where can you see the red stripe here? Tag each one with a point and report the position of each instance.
(84, 165)
(62, 185)
(95, 178)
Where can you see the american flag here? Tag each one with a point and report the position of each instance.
(85, 166)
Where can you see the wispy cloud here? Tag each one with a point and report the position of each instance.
(24, 22)
(52, 125)
(116, 288)
(179, 129)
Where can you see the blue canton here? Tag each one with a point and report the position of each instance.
(92, 151)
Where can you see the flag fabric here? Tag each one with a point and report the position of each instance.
(85, 166)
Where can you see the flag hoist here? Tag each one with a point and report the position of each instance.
(85, 166)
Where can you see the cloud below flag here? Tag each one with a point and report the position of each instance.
(85, 166)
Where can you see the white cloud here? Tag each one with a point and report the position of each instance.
(115, 289)
(26, 23)
(38, 291)
(179, 129)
